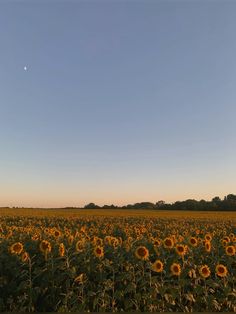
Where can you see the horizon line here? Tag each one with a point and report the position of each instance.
(113, 204)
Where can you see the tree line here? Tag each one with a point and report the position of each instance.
(228, 203)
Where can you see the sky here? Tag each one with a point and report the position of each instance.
(121, 101)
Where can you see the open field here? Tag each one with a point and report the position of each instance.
(76, 213)
(117, 260)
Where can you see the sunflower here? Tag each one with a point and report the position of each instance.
(79, 246)
(226, 239)
(9, 235)
(70, 239)
(224, 243)
(156, 242)
(99, 251)
(230, 250)
(185, 233)
(24, 257)
(57, 233)
(221, 270)
(208, 237)
(16, 248)
(67, 233)
(175, 269)
(142, 252)
(107, 240)
(200, 240)
(35, 237)
(204, 271)
(181, 238)
(61, 249)
(168, 243)
(181, 249)
(83, 229)
(114, 242)
(129, 239)
(208, 246)
(120, 241)
(46, 230)
(97, 241)
(45, 246)
(193, 241)
(157, 266)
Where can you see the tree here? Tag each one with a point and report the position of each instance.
(231, 197)
(91, 206)
(216, 199)
(160, 204)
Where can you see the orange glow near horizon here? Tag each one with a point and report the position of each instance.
(53, 201)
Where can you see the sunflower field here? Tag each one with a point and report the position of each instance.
(123, 263)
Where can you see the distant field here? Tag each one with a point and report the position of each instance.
(115, 213)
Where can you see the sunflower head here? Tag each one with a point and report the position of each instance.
(226, 239)
(35, 237)
(208, 237)
(45, 246)
(16, 248)
(175, 269)
(79, 246)
(99, 251)
(107, 240)
(114, 242)
(98, 241)
(57, 233)
(156, 242)
(70, 239)
(181, 249)
(204, 271)
(157, 266)
(61, 249)
(230, 250)
(208, 246)
(168, 243)
(221, 270)
(142, 253)
(224, 243)
(193, 241)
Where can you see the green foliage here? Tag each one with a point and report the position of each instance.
(119, 280)
(216, 204)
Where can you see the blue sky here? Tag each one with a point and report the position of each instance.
(122, 101)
